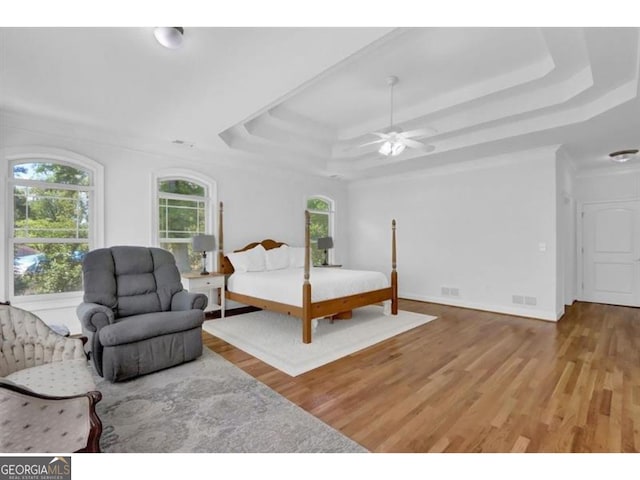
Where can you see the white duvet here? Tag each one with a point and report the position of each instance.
(285, 286)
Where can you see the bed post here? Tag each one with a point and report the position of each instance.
(306, 287)
(394, 273)
(220, 240)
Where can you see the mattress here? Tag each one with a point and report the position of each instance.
(285, 286)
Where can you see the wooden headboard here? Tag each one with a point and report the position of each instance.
(224, 265)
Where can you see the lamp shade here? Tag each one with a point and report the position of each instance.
(203, 243)
(324, 243)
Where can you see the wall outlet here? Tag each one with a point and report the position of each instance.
(454, 291)
(519, 299)
(445, 291)
(530, 301)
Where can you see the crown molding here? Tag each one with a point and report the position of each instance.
(481, 163)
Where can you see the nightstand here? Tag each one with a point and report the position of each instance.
(207, 284)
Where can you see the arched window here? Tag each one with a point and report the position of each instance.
(52, 224)
(184, 210)
(322, 225)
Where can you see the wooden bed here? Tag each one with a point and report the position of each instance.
(335, 307)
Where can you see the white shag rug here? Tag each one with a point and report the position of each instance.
(277, 339)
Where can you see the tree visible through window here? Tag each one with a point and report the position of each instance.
(321, 212)
(50, 231)
(182, 213)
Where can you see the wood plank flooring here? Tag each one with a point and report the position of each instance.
(475, 381)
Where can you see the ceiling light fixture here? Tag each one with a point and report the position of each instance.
(393, 140)
(170, 37)
(392, 148)
(623, 155)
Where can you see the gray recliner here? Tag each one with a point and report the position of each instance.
(136, 314)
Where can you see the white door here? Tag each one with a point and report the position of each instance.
(611, 253)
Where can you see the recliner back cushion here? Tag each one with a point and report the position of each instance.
(99, 278)
(167, 276)
(136, 284)
(143, 279)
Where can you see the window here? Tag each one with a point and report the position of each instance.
(50, 225)
(321, 211)
(183, 211)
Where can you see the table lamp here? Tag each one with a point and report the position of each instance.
(204, 244)
(325, 243)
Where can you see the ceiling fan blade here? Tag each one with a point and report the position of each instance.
(372, 143)
(418, 145)
(386, 136)
(419, 132)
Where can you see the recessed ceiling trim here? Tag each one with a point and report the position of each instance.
(395, 33)
(458, 97)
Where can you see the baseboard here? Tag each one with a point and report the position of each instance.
(549, 316)
(520, 312)
(231, 312)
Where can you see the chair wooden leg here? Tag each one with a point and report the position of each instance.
(93, 443)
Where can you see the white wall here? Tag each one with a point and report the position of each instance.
(566, 231)
(618, 182)
(259, 204)
(478, 229)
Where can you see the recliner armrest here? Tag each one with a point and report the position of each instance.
(94, 316)
(184, 300)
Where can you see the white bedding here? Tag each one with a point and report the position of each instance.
(285, 286)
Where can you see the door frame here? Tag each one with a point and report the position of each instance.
(579, 239)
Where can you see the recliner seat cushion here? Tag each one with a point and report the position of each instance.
(141, 327)
(121, 362)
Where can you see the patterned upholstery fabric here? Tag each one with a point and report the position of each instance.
(30, 424)
(58, 379)
(36, 362)
(26, 341)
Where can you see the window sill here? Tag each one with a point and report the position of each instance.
(48, 302)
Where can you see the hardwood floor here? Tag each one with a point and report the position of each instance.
(475, 381)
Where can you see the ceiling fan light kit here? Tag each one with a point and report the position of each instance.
(623, 156)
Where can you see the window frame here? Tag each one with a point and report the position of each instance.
(209, 198)
(331, 213)
(95, 234)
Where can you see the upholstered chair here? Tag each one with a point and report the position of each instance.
(136, 314)
(47, 392)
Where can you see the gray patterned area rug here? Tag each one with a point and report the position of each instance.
(208, 405)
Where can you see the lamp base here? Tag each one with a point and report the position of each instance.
(204, 264)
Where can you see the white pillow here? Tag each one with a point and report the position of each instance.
(277, 258)
(296, 257)
(252, 260)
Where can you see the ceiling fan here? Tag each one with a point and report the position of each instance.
(394, 140)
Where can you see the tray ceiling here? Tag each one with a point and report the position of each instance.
(306, 98)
